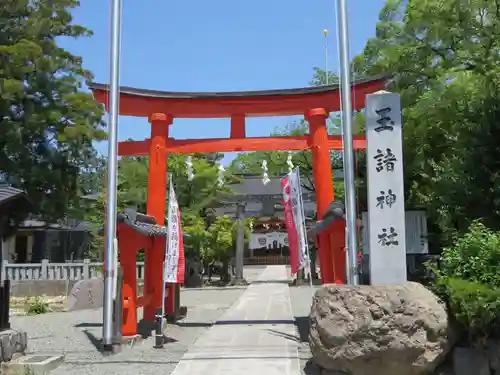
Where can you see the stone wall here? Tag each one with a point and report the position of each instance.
(33, 288)
(50, 288)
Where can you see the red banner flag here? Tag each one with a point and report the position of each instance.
(291, 227)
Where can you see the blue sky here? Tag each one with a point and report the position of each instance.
(217, 45)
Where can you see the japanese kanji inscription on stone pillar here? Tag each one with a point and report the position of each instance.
(386, 208)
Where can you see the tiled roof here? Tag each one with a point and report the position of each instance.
(253, 186)
(8, 192)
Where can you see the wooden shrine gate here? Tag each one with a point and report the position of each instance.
(161, 108)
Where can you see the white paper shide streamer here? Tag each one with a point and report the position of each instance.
(265, 177)
(189, 168)
(221, 175)
(289, 162)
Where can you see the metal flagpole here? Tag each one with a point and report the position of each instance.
(325, 32)
(107, 329)
(160, 315)
(350, 188)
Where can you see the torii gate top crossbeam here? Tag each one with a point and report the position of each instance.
(288, 102)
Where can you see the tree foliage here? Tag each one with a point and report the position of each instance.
(220, 239)
(467, 279)
(47, 123)
(444, 59)
(194, 197)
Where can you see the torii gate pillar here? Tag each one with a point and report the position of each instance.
(155, 206)
(323, 182)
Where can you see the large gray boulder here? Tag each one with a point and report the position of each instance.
(86, 294)
(378, 330)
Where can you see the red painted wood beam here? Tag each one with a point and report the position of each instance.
(136, 148)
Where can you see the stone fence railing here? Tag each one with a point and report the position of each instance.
(87, 269)
(57, 271)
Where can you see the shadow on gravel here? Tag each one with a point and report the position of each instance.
(94, 341)
(88, 325)
(283, 334)
(302, 324)
(312, 368)
(192, 324)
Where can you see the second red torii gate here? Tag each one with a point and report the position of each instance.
(161, 108)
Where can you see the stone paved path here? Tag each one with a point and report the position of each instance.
(256, 335)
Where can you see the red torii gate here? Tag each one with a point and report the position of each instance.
(162, 107)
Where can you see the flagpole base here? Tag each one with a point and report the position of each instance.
(178, 315)
(239, 281)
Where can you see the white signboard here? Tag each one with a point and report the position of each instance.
(386, 209)
(268, 240)
(296, 195)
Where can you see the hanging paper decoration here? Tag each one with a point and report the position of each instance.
(265, 177)
(221, 175)
(289, 162)
(189, 168)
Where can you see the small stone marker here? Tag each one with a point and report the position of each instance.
(86, 294)
(12, 343)
(33, 364)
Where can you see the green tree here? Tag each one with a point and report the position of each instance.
(220, 243)
(444, 59)
(194, 196)
(198, 241)
(467, 279)
(47, 123)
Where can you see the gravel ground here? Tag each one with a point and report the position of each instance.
(76, 335)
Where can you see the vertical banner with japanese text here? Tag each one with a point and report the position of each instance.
(291, 226)
(298, 214)
(386, 206)
(175, 263)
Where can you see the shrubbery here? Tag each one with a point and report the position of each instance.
(468, 279)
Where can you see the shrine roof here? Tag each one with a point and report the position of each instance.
(252, 185)
(8, 192)
(10, 197)
(284, 102)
